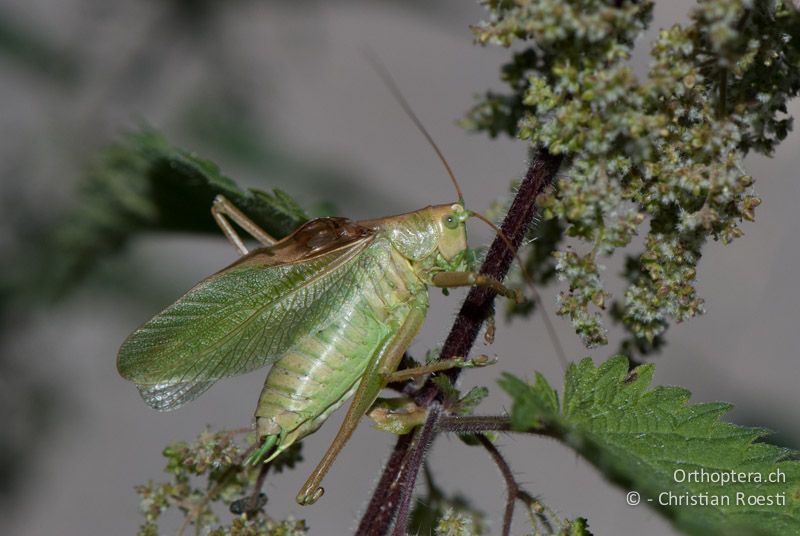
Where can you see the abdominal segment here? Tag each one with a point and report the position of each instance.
(322, 370)
(317, 376)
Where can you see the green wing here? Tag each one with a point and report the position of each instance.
(238, 320)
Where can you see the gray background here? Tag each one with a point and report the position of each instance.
(298, 68)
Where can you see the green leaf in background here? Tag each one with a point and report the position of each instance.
(32, 49)
(144, 184)
(676, 455)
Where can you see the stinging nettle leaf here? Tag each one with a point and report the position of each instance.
(534, 405)
(675, 454)
(143, 183)
(467, 403)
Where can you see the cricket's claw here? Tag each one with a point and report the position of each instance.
(306, 496)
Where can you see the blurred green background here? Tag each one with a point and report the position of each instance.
(279, 95)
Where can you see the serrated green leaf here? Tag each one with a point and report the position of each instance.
(145, 184)
(534, 405)
(676, 455)
(282, 203)
(467, 404)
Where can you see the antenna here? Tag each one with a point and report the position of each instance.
(390, 83)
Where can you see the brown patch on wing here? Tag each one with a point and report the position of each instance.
(312, 239)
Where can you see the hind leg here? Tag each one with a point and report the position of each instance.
(385, 362)
(222, 209)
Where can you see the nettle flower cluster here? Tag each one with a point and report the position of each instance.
(665, 152)
(210, 472)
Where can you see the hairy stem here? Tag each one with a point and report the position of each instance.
(478, 424)
(474, 424)
(416, 457)
(383, 504)
(512, 488)
(476, 308)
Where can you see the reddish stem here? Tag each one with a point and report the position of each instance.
(405, 461)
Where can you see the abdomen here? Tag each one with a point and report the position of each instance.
(319, 373)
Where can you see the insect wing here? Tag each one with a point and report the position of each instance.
(236, 321)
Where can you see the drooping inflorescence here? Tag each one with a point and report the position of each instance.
(660, 156)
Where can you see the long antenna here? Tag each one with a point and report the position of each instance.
(551, 330)
(390, 83)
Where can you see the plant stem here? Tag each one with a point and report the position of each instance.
(512, 488)
(377, 519)
(474, 424)
(383, 505)
(479, 424)
(416, 457)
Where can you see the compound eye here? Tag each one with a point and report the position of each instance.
(450, 221)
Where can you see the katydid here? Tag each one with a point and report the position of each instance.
(332, 307)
